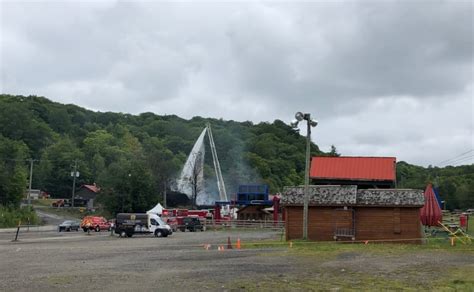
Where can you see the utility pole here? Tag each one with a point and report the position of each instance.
(31, 181)
(74, 174)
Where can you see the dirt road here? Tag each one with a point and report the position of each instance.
(50, 218)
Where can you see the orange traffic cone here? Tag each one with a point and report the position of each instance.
(229, 244)
(238, 243)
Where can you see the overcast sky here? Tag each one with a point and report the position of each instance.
(383, 79)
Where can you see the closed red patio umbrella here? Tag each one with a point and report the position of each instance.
(430, 214)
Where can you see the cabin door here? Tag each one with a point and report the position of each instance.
(344, 223)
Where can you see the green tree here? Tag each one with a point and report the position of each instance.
(56, 165)
(13, 174)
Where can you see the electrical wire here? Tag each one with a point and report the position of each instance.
(447, 161)
(460, 160)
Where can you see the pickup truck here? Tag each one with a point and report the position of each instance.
(190, 223)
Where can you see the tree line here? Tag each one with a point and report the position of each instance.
(135, 158)
(455, 184)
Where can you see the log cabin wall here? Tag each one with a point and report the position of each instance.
(387, 223)
(371, 223)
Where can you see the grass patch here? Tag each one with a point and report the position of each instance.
(326, 281)
(327, 266)
(43, 202)
(60, 280)
(456, 279)
(302, 246)
(68, 212)
(341, 280)
(470, 225)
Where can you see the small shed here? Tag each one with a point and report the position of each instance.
(86, 194)
(344, 212)
(33, 195)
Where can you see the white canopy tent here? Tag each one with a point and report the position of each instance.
(158, 209)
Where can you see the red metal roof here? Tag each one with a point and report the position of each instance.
(353, 168)
(92, 188)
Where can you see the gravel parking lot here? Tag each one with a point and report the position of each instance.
(75, 261)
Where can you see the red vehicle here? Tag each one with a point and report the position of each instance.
(200, 213)
(172, 222)
(95, 223)
(61, 203)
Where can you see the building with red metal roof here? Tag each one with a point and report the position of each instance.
(86, 195)
(365, 172)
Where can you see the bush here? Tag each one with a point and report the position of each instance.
(9, 217)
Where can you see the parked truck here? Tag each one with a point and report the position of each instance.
(128, 224)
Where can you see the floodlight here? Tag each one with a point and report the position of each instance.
(313, 123)
(299, 116)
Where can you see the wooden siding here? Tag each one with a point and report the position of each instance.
(371, 223)
(387, 223)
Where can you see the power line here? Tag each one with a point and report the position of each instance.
(459, 160)
(454, 158)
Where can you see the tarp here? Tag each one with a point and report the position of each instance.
(430, 214)
(158, 209)
(436, 191)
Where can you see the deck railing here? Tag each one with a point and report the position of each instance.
(251, 224)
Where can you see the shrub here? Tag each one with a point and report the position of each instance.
(9, 217)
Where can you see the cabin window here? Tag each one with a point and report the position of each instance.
(153, 222)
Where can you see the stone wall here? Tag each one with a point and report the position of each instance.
(320, 195)
(323, 195)
(391, 197)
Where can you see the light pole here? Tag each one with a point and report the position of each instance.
(31, 179)
(128, 190)
(299, 116)
(74, 174)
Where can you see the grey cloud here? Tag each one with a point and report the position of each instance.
(349, 64)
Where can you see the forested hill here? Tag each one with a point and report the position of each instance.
(137, 155)
(455, 184)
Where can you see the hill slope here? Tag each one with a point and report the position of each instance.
(134, 157)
